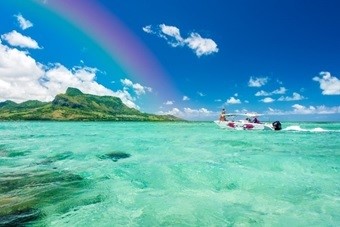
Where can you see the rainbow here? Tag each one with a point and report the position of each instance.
(114, 38)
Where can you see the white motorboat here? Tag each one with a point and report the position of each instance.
(250, 121)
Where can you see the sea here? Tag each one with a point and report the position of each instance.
(168, 174)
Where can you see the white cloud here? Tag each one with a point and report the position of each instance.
(272, 111)
(189, 113)
(330, 85)
(295, 97)
(262, 93)
(138, 88)
(233, 100)
(174, 112)
(201, 46)
(22, 79)
(148, 29)
(171, 32)
(201, 94)
(24, 24)
(15, 65)
(300, 109)
(126, 82)
(281, 90)
(267, 100)
(169, 103)
(242, 111)
(197, 111)
(185, 98)
(16, 39)
(257, 82)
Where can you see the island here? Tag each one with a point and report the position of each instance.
(77, 106)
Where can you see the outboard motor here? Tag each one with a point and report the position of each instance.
(277, 125)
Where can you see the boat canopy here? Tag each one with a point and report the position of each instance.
(243, 115)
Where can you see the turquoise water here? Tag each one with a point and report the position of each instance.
(168, 174)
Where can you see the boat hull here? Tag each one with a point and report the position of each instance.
(243, 125)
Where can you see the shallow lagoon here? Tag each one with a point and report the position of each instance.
(166, 174)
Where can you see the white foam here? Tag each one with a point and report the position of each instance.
(294, 128)
(298, 128)
(318, 130)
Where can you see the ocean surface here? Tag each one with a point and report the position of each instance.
(168, 174)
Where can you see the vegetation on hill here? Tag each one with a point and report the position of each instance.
(77, 106)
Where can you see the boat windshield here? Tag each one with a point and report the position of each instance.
(251, 118)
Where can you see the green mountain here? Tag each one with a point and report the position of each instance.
(77, 106)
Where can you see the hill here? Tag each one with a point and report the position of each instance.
(77, 106)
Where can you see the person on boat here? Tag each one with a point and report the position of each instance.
(223, 115)
(256, 120)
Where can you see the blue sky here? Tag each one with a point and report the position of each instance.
(279, 58)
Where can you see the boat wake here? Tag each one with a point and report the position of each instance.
(299, 129)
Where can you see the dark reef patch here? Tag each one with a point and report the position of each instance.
(55, 158)
(11, 154)
(232, 186)
(22, 195)
(114, 156)
(20, 218)
(35, 180)
(18, 153)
